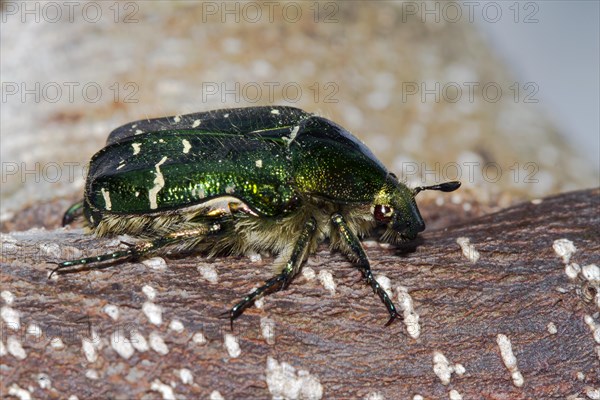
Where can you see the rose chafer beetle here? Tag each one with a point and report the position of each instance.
(258, 179)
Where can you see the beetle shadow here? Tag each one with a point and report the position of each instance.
(401, 249)
(404, 249)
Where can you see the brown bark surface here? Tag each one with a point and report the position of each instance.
(516, 288)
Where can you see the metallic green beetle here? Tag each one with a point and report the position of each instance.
(256, 179)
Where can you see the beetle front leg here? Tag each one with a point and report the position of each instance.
(282, 280)
(363, 264)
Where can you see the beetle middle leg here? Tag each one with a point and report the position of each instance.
(357, 250)
(282, 280)
(140, 249)
(73, 212)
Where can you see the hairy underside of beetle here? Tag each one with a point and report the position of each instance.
(227, 226)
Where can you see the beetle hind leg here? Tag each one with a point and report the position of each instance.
(353, 243)
(138, 250)
(282, 280)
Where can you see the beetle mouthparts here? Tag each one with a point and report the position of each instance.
(444, 187)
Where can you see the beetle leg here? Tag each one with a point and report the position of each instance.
(357, 250)
(138, 250)
(282, 280)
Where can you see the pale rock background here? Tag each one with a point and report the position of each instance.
(353, 62)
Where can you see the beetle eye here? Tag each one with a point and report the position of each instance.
(383, 213)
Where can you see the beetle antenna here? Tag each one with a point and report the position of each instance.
(444, 187)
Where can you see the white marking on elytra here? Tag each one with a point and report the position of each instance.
(226, 115)
(11, 317)
(468, 249)
(16, 391)
(327, 281)
(232, 346)
(106, 195)
(196, 123)
(177, 118)
(186, 146)
(153, 312)
(411, 318)
(293, 134)
(230, 189)
(284, 382)
(275, 111)
(158, 344)
(159, 183)
(121, 164)
(564, 248)
(258, 163)
(7, 296)
(443, 369)
(136, 148)
(138, 341)
(198, 192)
(14, 348)
(509, 359)
(121, 345)
(165, 390)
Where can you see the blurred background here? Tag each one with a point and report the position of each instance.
(501, 95)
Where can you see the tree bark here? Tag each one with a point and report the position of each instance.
(517, 292)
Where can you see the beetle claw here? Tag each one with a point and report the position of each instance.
(228, 314)
(393, 318)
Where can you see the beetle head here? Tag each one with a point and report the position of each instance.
(395, 206)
